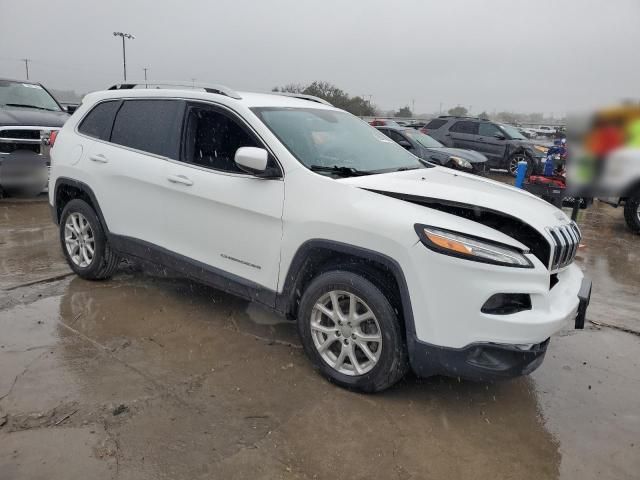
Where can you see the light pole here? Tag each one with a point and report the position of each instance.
(124, 51)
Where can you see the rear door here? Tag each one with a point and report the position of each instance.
(464, 134)
(493, 147)
(218, 215)
(128, 169)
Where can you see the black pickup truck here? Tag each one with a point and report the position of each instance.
(28, 116)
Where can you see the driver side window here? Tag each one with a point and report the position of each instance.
(212, 139)
(489, 130)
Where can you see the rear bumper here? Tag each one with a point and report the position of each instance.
(476, 362)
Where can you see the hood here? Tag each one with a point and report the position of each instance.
(446, 152)
(31, 117)
(462, 189)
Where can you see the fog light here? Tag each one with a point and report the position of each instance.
(507, 303)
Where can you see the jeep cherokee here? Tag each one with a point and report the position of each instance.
(384, 262)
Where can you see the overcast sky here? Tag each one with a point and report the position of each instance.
(520, 55)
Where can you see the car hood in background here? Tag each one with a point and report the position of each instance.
(30, 117)
(445, 152)
(466, 189)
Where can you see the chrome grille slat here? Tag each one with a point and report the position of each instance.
(565, 240)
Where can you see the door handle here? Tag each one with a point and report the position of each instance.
(181, 179)
(99, 158)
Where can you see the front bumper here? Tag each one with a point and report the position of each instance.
(485, 361)
(476, 362)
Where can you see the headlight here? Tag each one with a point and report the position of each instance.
(471, 248)
(540, 148)
(461, 162)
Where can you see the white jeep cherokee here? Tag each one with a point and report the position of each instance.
(287, 201)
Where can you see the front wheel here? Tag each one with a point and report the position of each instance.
(513, 164)
(632, 213)
(351, 332)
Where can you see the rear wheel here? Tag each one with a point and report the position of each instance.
(84, 242)
(351, 332)
(632, 212)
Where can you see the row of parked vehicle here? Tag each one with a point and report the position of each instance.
(469, 144)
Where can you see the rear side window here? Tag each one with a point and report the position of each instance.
(465, 127)
(99, 121)
(435, 124)
(150, 125)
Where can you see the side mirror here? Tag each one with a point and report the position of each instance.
(252, 160)
(405, 144)
(70, 108)
(499, 137)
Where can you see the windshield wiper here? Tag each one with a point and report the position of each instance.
(343, 171)
(28, 106)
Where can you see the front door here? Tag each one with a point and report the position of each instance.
(492, 142)
(218, 215)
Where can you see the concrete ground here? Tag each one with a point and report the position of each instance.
(143, 377)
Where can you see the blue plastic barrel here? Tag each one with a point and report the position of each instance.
(521, 172)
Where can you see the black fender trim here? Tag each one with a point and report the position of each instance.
(294, 274)
(62, 181)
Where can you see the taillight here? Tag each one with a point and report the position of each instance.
(52, 137)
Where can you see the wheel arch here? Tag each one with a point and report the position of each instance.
(67, 189)
(317, 256)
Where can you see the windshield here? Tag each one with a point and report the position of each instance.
(512, 132)
(328, 138)
(422, 139)
(26, 95)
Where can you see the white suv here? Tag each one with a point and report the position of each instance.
(385, 263)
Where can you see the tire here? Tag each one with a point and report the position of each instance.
(104, 261)
(632, 213)
(390, 350)
(512, 164)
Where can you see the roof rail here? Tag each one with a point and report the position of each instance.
(207, 87)
(302, 96)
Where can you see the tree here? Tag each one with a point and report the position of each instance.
(507, 117)
(404, 112)
(458, 111)
(484, 116)
(332, 94)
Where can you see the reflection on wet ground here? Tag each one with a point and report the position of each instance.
(148, 377)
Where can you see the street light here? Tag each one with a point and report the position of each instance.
(124, 52)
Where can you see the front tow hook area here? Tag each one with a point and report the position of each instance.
(584, 295)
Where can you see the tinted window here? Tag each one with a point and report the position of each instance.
(465, 127)
(212, 139)
(149, 125)
(99, 121)
(435, 124)
(489, 130)
(395, 136)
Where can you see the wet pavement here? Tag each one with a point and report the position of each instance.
(143, 377)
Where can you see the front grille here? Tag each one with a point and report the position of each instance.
(565, 243)
(21, 134)
(23, 138)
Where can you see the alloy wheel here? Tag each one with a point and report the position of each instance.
(79, 240)
(513, 164)
(346, 333)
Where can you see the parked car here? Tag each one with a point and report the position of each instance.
(527, 132)
(545, 131)
(431, 150)
(379, 122)
(28, 116)
(384, 262)
(502, 144)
